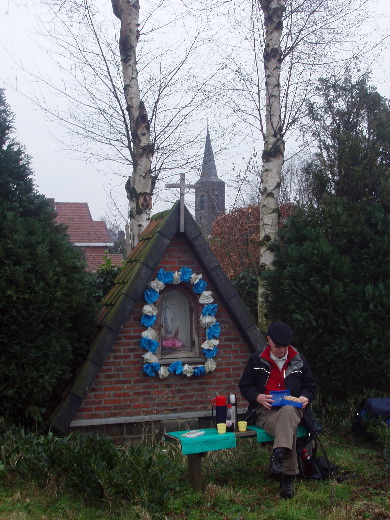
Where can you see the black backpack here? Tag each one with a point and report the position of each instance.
(313, 462)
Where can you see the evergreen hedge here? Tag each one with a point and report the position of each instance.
(47, 303)
(331, 282)
(331, 277)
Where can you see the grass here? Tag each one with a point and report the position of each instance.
(235, 488)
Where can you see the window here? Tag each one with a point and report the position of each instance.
(216, 201)
(176, 328)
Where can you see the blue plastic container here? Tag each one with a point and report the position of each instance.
(279, 399)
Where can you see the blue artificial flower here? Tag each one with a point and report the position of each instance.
(209, 353)
(185, 274)
(210, 309)
(199, 286)
(165, 276)
(213, 331)
(148, 320)
(151, 295)
(151, 345)
(199, 371)
(176, 367)
(151, 369)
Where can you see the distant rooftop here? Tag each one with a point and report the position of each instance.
(80, 226)
(90, 235)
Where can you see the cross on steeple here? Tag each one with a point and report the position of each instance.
(182, 187)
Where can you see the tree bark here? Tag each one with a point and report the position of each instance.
(274, 145)
(139, 185)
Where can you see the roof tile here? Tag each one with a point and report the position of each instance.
(81, 229)
(80, 226)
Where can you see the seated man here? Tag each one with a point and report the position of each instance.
(279, 367)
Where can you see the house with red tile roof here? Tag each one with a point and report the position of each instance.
(91, 236)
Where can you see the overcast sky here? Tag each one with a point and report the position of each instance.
(57, 175)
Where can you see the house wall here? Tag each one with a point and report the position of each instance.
(124, 401)
(94, 257)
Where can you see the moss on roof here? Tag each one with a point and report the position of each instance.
(136, 261)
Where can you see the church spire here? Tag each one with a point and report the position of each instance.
(209, 170)
(209, 191)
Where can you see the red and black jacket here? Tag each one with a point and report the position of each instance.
(298, 378)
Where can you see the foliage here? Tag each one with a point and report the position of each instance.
(331, 283)
(236, 487)
(47, 304)
(350, 124)
(90, 466)
(235, 240)
(331, 280)
(246, 284)
(119, 240)
(104, 278)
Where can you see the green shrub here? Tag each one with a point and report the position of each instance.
(104, 278)
(91, 466)
(247, 287)
(47, 302)
(331, 277)
(331, 283)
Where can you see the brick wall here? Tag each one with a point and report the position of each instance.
(121, 389)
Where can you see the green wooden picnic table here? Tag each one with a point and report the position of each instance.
(195, 448)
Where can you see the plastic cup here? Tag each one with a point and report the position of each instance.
(242, 426)
(221, 427)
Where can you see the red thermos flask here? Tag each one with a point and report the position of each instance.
(219, 403)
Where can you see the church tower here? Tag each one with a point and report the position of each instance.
(209, 192)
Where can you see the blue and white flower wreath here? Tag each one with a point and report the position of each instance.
(149, 339)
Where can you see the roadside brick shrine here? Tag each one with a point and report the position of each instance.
(172, 334)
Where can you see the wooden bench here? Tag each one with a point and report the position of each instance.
(197, 448)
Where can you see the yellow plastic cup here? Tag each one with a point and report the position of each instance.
(221, 427)
(242, 426)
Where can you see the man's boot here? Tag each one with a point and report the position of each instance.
(286, 486)
(275, 467)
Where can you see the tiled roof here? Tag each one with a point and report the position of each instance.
(80, 226)
(90, 235)
(128, 290)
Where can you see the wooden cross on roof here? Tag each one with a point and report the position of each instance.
(182, 187)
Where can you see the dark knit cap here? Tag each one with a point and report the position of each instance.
(280, 333)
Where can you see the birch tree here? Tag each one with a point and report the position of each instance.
(128, 109)
(138, 187)
(271, 73)
(299, 35)
(274, 144)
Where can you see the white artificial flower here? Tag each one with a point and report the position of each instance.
(206, 321)
(149, 357)
(206, 297)
(210, 365)
(195, 278)
(209, 344)
(150, 310)
(163, 372)
(176, 277)
(157, 285)
(150, 334)
(187, 370)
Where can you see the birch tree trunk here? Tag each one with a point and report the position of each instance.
(139, 185)
(274, 145)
